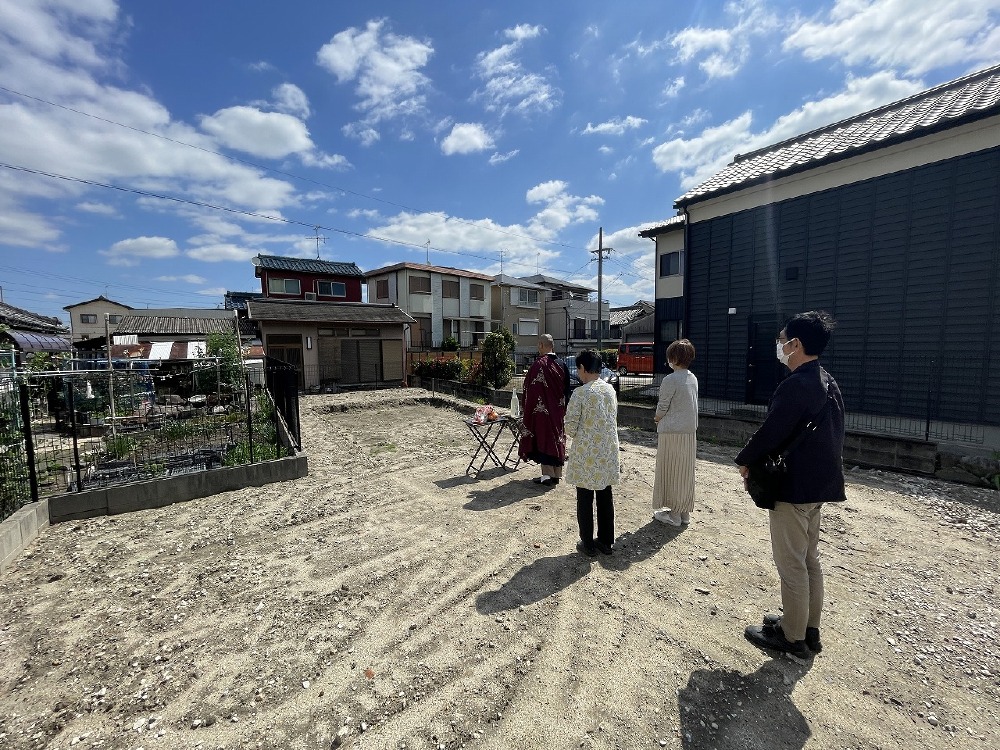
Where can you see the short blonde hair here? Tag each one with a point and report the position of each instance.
(681, 352)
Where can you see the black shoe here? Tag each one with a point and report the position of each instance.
(587, 548)
(812, 634)
(771, 636)
(603, 547)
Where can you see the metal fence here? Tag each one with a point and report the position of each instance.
(914, 398)
(73, 430)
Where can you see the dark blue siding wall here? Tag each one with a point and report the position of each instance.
(909, 263)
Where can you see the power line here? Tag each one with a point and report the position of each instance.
(243, 212)
(284, 173)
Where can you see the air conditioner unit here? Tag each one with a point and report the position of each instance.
(311, 296)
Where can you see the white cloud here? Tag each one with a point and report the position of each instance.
(466, 138)
(508, 87)
(913, 36)
(131, 251)
(499, 158)
(615, 126)
(221, 252)
(386, 68)
(722, 52)
(699, 157)
(673, 89)
(189, 278)
(219, 291)
(94, 207)
(606, 150)
(292, 100)
(271, 135)
(525, 244)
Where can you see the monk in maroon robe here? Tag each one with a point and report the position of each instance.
(546, 392)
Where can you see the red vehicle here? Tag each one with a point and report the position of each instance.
(635, 357)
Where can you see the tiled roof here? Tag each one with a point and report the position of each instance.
(24, 320)
(177, 322)
(306, 265)
(650, 231)
(102, 298)
(445, 270)
(325, 312)
(550, 281)
(238, 300)
(621, 316)
(957, 102)
(506, 280)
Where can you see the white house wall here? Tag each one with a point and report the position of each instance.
(954, 142)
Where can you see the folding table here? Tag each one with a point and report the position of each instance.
(487, 434)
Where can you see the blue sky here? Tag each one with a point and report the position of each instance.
(150, 149)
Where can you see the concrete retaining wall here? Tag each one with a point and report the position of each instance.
(24, 526)
(20, 530)
(157, 493)
(860, 449)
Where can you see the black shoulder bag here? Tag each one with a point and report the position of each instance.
(768, 474)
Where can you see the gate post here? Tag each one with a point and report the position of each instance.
(29, 443)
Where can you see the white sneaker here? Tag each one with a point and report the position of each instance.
(668, 517)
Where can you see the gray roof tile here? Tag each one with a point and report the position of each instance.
(963, 100)
(325, 312)
(306, 265)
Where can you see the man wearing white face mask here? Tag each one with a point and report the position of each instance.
(815, 476)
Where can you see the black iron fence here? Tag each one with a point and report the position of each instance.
(83, 429)
(917, 398)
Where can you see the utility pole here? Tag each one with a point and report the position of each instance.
(600, 280)
(503, 320)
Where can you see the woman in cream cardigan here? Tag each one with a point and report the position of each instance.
(676, 424)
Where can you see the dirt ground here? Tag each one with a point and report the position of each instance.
(388, 601)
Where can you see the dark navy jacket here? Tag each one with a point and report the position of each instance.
(816, 464)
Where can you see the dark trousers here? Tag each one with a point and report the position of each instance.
(605, 514)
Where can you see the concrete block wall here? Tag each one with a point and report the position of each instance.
(157, 493)
(20, 530)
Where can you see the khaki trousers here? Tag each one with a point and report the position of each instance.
(795, 547)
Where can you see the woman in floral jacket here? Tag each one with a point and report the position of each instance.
(593, 464)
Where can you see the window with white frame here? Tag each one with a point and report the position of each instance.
(331, 289)
(114, 319)
(284, 286)
(527, 326)
(89, 318)
(526, 297)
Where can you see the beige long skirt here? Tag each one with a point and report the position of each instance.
(673, 482)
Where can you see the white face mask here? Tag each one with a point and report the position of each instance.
(782, 357)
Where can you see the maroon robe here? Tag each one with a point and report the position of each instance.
(543, 438)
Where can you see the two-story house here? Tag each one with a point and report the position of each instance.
(668, 271)
(444, 302)
(86, 319)
(570, 315)
(308, 279)
(519, 306)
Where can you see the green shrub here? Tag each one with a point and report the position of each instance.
(118, 447)
(440, 367)
(450, 344)
(610, 358)
(498, 358)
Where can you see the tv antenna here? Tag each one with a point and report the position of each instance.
(318, 238)
(427, 250)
